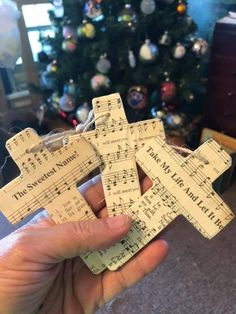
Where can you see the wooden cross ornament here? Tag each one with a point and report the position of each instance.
(49, 180)
(181, 186)
(116, 142)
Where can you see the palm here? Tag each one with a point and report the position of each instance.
(35, 280)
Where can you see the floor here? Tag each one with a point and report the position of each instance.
(197, 277)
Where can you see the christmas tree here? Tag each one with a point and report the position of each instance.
(146, 50)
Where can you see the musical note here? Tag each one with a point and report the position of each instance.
(194, 198)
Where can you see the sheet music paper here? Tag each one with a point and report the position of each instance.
(181, 186)
(116, 142)
(48, 180)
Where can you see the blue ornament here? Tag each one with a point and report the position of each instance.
(137, 97)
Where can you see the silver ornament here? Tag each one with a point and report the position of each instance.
(148, 6)
(179, 51)
(165, 39)
(67, 103)
(100, 81)
(200, 47)
(127, 16)
(159, 114)
(82, 113)
(132, 59)
(103, 65)
(93, 11)
(175, 120)
(149, 51)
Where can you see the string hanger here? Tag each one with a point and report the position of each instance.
(190, 152)
(59, 140)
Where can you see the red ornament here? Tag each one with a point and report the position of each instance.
(168, 91)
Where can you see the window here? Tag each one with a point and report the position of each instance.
(38, 25)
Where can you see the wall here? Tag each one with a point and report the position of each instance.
(206, 12)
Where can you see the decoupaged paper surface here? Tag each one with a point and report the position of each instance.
(181, 186)
(116, 142)
(49, 180)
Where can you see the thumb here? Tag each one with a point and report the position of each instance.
(71, 239)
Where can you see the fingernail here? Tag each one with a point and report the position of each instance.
(118, 221)
(165, 243)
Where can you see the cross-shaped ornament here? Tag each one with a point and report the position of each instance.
(49, 180)
(116, 142)
(181, 186)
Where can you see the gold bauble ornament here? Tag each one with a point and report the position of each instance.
(86, 30)
(181, 8)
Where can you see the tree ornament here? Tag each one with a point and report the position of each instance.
(179, 51)
(54, 101)
(127, 16)
(70, 88)
(165, 39)
(100, 81)
(92, 10)
(67, 103)
(82, 113)
(200, 47)
(86, 30)
(148, 6)
(175, 120)
(68, 32)
(137, 97)
(103, 65)
(168, 91)
(46, 80)
(157, 113)
(149, 51)
(132, 59)
(52, 67)
(181, 8)
(69, 45)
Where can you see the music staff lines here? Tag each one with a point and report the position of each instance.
(121, 154)
(120, 207)
(141, 226)
(56, 188)
(124, 176)
(43, 155)
(219, 151)
(203, 181)
(161, 190)
(104, 106)
(115, 126)
(197, 175)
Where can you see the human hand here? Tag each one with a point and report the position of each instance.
(42, 273)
